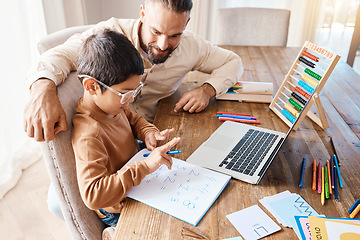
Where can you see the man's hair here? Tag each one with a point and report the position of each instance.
(109, 57)
(178, 6)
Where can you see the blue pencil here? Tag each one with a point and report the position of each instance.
(335, 186)
(302, 173)
(354, 206)
(236, 116)
(338, 171)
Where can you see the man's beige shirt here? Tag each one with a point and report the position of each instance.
(160, 80)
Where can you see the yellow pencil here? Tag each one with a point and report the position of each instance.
(356, 211)
(322, 187)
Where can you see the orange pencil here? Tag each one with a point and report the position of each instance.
(329, 176)
(314, 175)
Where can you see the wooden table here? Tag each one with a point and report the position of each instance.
(341, 100)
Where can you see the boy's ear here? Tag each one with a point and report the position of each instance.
(90, 85)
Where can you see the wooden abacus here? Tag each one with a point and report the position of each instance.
(302, 85)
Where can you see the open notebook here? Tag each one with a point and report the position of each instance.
(186, 191)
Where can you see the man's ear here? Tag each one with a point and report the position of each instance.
(142, 12)
(90, 86)
(187, 22)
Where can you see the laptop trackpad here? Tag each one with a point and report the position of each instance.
(220, 142)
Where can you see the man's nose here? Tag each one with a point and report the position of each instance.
(163, 42)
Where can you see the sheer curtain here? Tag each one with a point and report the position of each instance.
(22, 25)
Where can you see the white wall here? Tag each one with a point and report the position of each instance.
(100, 10)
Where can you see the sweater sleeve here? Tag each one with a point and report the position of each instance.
(56, 63)
(140, 126)
(225, 67)
(98, 188)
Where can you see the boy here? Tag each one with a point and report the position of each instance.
(105, 129)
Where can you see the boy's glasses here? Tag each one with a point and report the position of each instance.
(124, 97)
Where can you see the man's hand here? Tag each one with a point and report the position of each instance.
(43, 115)
(152, 137)
(196, 100)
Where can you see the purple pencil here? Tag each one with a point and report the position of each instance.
(332, 172)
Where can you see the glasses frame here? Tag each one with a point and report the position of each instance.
(124, 96)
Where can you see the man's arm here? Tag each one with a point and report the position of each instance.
(43, 116)
(225, 69)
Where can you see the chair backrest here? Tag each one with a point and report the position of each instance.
(59, 156)
(252, 26)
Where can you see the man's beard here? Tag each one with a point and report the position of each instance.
(157, 59)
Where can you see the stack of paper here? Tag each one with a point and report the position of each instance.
(285, 206)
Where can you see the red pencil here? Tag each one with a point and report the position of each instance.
(238, 114)
(238, 120)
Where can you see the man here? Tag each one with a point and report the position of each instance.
(168, 52)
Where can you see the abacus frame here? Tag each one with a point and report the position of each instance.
(314, 98)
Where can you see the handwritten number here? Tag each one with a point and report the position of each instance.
(185, 187)
(189, 204)
(172, 181)
(196, 174)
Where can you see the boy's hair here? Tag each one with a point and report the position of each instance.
(178, 6)
(109, 57)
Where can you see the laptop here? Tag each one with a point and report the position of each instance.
(242, 151)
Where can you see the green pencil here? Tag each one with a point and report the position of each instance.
(326, 183)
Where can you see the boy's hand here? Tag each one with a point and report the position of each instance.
(159, 157)
(152, 137)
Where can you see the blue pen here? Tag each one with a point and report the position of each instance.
(354, 206)
(302, 173)
(169, 152)
(338, 171)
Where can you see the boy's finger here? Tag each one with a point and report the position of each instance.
(168, 161)
(172, 143)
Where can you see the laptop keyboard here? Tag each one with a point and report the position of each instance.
(247, 155)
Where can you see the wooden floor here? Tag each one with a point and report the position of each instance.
(23, 210)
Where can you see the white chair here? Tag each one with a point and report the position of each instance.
(252, 26)
(59, 156)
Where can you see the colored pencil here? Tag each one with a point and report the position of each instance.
(302, 173)
(335, 186)
(332, 172)
(322, 187)
(319, 178)
(356, 203)
(236, 116)
(326, 184)
(314, 175)
(338, 171)
(238, 120)
(229, 113)
(329, 176)
(355, 212)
